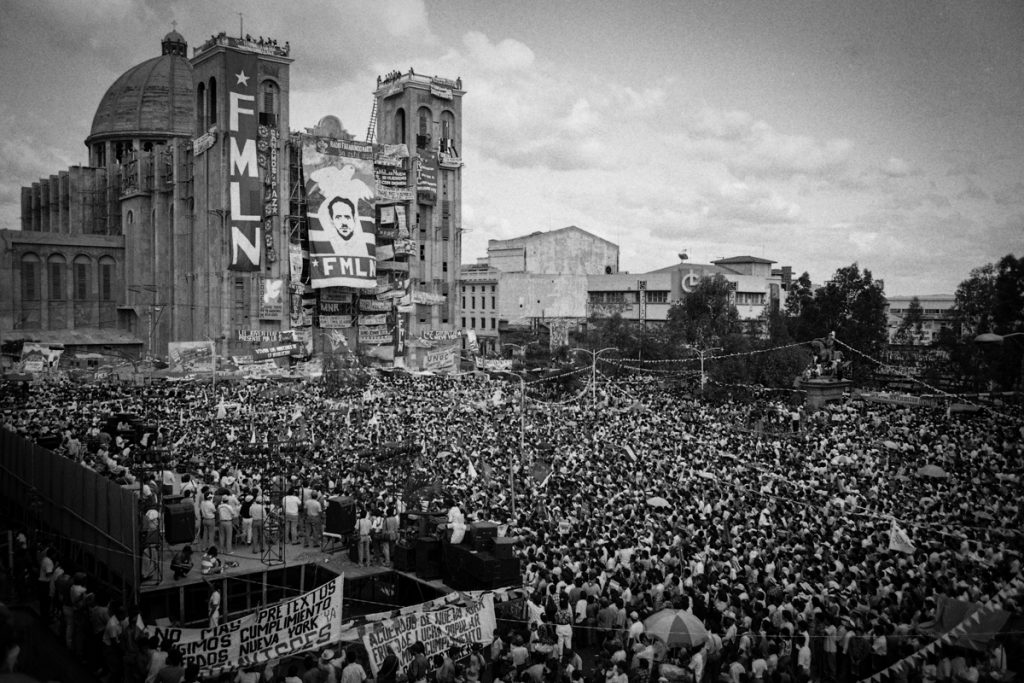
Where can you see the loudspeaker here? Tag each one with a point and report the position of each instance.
(481, 535)
(428, 557)
(341, 515)
(503, 548)
(510, 573)
(179, 523)
(403, 557)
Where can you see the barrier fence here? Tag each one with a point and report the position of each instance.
(90, 515)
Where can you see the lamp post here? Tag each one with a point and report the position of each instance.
(522, 438)
(593, 367)
(702, 353)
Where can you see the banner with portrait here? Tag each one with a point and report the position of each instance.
(341, 211)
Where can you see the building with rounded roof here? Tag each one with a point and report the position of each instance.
(151, 102)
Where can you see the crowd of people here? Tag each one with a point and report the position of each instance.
(625, 501)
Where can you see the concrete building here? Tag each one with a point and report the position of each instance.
(649, 296)
(936, 313)
(189, 219)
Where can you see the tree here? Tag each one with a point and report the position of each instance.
(706, 314)
(912, 325)
(851, 304)
(974, 301)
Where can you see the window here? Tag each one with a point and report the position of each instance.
(492, 288)
(269, 101)
(56, 273)
(201, 109)
(463, 302)
(106, 279)
(472, 322)
(493, 305)
(399, 130)
(657, 297)
(473, 299)
(211, 107)
(423, 252)
(444, 266)
(30, 277)
(463, 321)
(81, 280)
(494, 323)
(129, 218)
(447, 125)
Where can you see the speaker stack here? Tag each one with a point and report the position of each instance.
(480, 535)
(403, 557)
(428, 557)
(341, 516)
(467, 569)
(179, 523)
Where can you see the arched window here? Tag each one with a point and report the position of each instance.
(424, 119)
(30, 278)
(56, 266)
(270, 102)
(399, 130)
(211, 108)
(107, 278)
(447, 125)
(82, 272)
(129, 218)
(201, 109)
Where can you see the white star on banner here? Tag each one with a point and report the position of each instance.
(242, 78)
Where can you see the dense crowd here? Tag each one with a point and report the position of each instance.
(776, 538)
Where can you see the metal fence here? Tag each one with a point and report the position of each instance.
(85, 513)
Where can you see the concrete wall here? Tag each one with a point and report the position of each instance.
(529, 295)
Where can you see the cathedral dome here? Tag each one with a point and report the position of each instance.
(151, 100)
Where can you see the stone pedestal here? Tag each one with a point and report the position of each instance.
(823, 390)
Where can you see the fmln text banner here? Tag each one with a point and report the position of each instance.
(245, 192)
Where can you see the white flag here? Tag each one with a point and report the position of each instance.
(899, 540)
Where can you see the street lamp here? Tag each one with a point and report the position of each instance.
(702, 353)
(522, 438)
(593, 367)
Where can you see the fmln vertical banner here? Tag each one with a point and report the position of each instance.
(245, 192)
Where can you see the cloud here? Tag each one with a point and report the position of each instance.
(506, 55)
(897, 168)
(741, 203)
(972, 190)
(1012, 195)
(748, 146)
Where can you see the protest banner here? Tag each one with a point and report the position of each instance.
(307, 622)
(438, 630)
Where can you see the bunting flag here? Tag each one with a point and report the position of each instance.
(899, 540)
(629, 452)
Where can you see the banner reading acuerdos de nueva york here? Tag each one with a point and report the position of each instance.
(308, 622)
(340, 208)
(438, 630)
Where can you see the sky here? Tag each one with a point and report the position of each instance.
(814, 134)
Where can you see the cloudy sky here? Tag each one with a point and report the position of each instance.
(815, 134)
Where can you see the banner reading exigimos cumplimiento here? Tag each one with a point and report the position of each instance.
(340, 208)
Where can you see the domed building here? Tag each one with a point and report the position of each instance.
(149, 104)
(183, 235)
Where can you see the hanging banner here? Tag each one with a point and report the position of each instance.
(279, 351)
(368, 320)
(374, 306)
(339, 188)
(428, 298)
(245, 191)
(308, 622)
(37, 358)
(335, 322)
(441, 360)
(295, 262)
(439, 630)
(190, 356)
(271, 298)
(494, 364)
(426, 177)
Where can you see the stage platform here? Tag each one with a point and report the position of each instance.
(248, 582)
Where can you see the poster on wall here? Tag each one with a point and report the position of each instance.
(441, 360)
(340, 194)
(190, 356)
(271, 298)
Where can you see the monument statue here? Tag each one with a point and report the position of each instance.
(827, 361)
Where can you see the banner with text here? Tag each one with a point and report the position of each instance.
(340, 195)
(305, 623)
(438, 630)
(245, 192)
